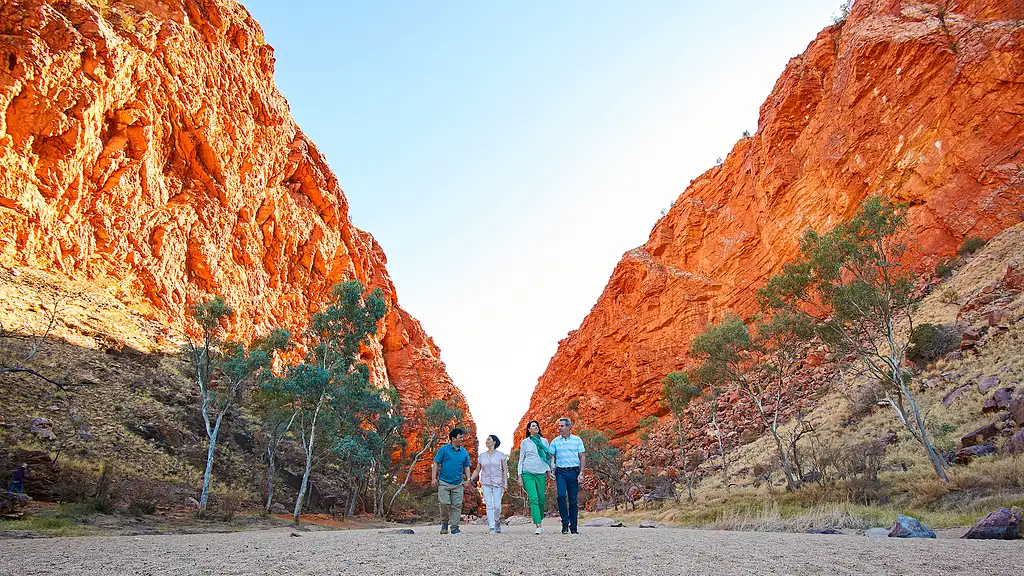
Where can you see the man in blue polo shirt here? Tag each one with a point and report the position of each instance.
(570, 460)
(454, 463)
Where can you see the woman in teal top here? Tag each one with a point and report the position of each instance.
(534, 465)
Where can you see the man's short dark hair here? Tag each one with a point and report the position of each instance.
(455, 433)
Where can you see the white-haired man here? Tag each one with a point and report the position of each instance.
(570, 461)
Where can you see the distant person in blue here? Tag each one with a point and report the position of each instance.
(453, 461)
(18, 480)
(570, 461)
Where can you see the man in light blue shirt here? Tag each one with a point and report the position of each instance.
(570, 461)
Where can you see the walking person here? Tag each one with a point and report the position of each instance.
(18, 479)
(453, 461)
(534, 466)
(570, 461)
(492, 469)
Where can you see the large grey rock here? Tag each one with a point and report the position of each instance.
(42, 428)
(909, 527)
(603, 523)
(1017, 409)
(877, 532)
(979, 436)
(1003, 524)
(12, 504)
(987, 383)
(278, 508)
(1014, 444)
(955, 394)
(965, 455)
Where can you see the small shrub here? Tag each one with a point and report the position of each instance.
(949, 296)
(139, 509)
(930, 341)
(970, 246)
(225, 505)
(944, 268)
(863, 399)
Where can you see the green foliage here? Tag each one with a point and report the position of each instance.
(931, 341)
(678, 390)
(850, 284)
(844, 12)
(944, 268)
(647, 426)
(338, 410)
(970, 246)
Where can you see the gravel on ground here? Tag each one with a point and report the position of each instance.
(660, 551)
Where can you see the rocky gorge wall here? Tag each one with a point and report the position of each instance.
(922, 104)
(144, 146)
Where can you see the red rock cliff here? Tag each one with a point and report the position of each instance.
(896, 100)
(144, 144)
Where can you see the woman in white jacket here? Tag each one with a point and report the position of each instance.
(534, 465)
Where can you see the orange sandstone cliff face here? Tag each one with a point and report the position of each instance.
(144, 145)
(894, 101)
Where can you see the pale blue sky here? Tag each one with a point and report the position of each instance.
(506, 154)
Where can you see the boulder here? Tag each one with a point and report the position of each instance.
(650, 524)
(827, 531)
(42, 428)
(999, 401)
(603, 523)
(998, 316)
(877, 532)
(987, 383)
(1017, 409)
(1003, 524)
(1014, 444)
(955, 394)
(517, 521)
(965, 455)
(909, 527)
(12, 504)
(278, 508)
(979, 436)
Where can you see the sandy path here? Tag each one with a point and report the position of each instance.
(662, 551)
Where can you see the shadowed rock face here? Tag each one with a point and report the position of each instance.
(894, 101)
(147, 148)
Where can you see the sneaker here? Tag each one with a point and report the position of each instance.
(573, 531)
(491, 531)
(456, 531)
(539, 530)
(497, 527)
(565, 529)
(444, 528)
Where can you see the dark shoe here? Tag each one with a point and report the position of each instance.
(565, 529)
(456, 531)
(573, 531)
(444, 528)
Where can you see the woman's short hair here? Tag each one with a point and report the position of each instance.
(496, 441)
(528, 428)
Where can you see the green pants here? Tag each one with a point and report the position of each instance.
(536, 486)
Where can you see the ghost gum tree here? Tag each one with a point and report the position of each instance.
(332, 376)
(850, 283)
(221, 370)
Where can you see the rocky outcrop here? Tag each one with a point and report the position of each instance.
(145, 147)
(925, 106)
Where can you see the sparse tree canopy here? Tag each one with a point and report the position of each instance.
(851, 285)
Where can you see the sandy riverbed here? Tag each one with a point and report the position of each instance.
(661, 551)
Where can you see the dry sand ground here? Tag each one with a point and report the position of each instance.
(662, 551)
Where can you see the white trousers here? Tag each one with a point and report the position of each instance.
(492, 499)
